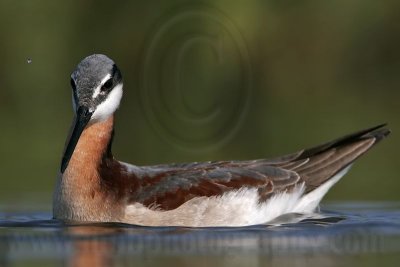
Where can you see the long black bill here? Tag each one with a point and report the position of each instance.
(83, 116)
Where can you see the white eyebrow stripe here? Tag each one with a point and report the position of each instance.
(97, 90)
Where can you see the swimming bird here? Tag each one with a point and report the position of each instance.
(93, 186)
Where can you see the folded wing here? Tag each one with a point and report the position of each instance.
(168, 186)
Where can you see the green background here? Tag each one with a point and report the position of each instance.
(203, 80)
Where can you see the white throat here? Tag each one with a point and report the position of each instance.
(109, 106)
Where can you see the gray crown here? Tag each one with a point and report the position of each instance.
(87, 77)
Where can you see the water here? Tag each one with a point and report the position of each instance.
(356, 234)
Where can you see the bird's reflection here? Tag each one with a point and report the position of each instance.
(110, 244)
(91, 245)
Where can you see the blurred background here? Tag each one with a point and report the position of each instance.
(203, 80)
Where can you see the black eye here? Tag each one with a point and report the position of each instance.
(73, 84)
(107, 85)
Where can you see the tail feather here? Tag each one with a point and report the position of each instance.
(326, 160)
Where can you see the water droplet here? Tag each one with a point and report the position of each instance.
(29, 60)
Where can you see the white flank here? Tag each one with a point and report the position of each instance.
(235, 208)
(109, 106)
(308, 203)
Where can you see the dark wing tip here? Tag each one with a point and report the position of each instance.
(378, 132)
(327, 160)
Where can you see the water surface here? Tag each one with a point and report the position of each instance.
(356, 234)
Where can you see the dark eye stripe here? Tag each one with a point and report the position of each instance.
(114, 70)
(107, 85)
(116, 74)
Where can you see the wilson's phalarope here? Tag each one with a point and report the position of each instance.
(93, 186)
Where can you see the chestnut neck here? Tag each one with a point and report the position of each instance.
(92, 149)
(79, 193)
